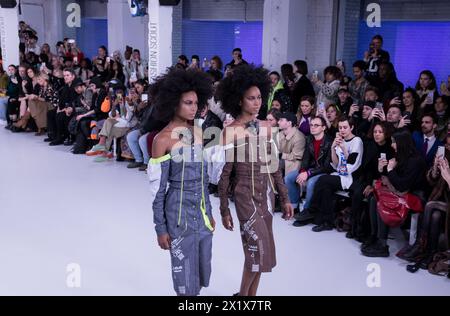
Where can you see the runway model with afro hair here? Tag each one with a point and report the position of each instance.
(179, 180)
(253, 178)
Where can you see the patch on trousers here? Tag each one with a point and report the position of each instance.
(255, 268)
(249, 230)
(182, 290)
(252, 248)
(177, 252)
(177, 269)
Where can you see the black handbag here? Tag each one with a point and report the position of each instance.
(73, 126)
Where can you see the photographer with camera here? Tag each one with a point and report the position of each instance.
(374, 57)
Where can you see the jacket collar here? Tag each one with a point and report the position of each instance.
(290, 135)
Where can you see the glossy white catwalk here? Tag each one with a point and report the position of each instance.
(58, 209)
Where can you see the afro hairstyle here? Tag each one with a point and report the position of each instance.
(232, 89)
(167, 90)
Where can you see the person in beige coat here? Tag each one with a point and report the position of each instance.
(292, 143)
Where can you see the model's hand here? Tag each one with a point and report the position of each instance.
(164, 241)
(213, 223)
(227, 222)
(288, 211)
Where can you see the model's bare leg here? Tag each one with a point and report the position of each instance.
(247, 281)
(255, 284)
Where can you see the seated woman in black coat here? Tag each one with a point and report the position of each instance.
(405, 173)
(435, 216)
(377, 145)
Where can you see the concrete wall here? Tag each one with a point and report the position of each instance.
(410, 10)
(177, 33)
(349, 39)
(224, 10)
(299, 29)
(319, 33)
(123, 29)
(94, 9)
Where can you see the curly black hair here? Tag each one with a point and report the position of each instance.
(166, 91)
(232, 89)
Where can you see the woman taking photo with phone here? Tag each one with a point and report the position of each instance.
(346, 154)
(405, 174)
(426, 88)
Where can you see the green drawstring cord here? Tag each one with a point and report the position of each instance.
(203, 202)
(253, 169)
(268, 170)
(181, 198)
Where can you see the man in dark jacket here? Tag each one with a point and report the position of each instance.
(374, 57)
(66, 109)
(316, 162)
(387, 83)
(209, 120)
(95, 113)
(426, 142)
(302, 85)
(237, 59)
(212, 127)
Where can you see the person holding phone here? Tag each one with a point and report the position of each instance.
(74, 53)
(237, 59)
(331, 115)
(100, 64)
(435, 216)
(367, 115)
(137, 70)
(328, 89)
(377, 148)
(426, 88)
(374, 57)
(346, 155)
(121, 119)
(405, 174)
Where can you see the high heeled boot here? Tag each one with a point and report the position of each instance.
(418, 250)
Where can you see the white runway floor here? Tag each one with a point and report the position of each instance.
(57, 209)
